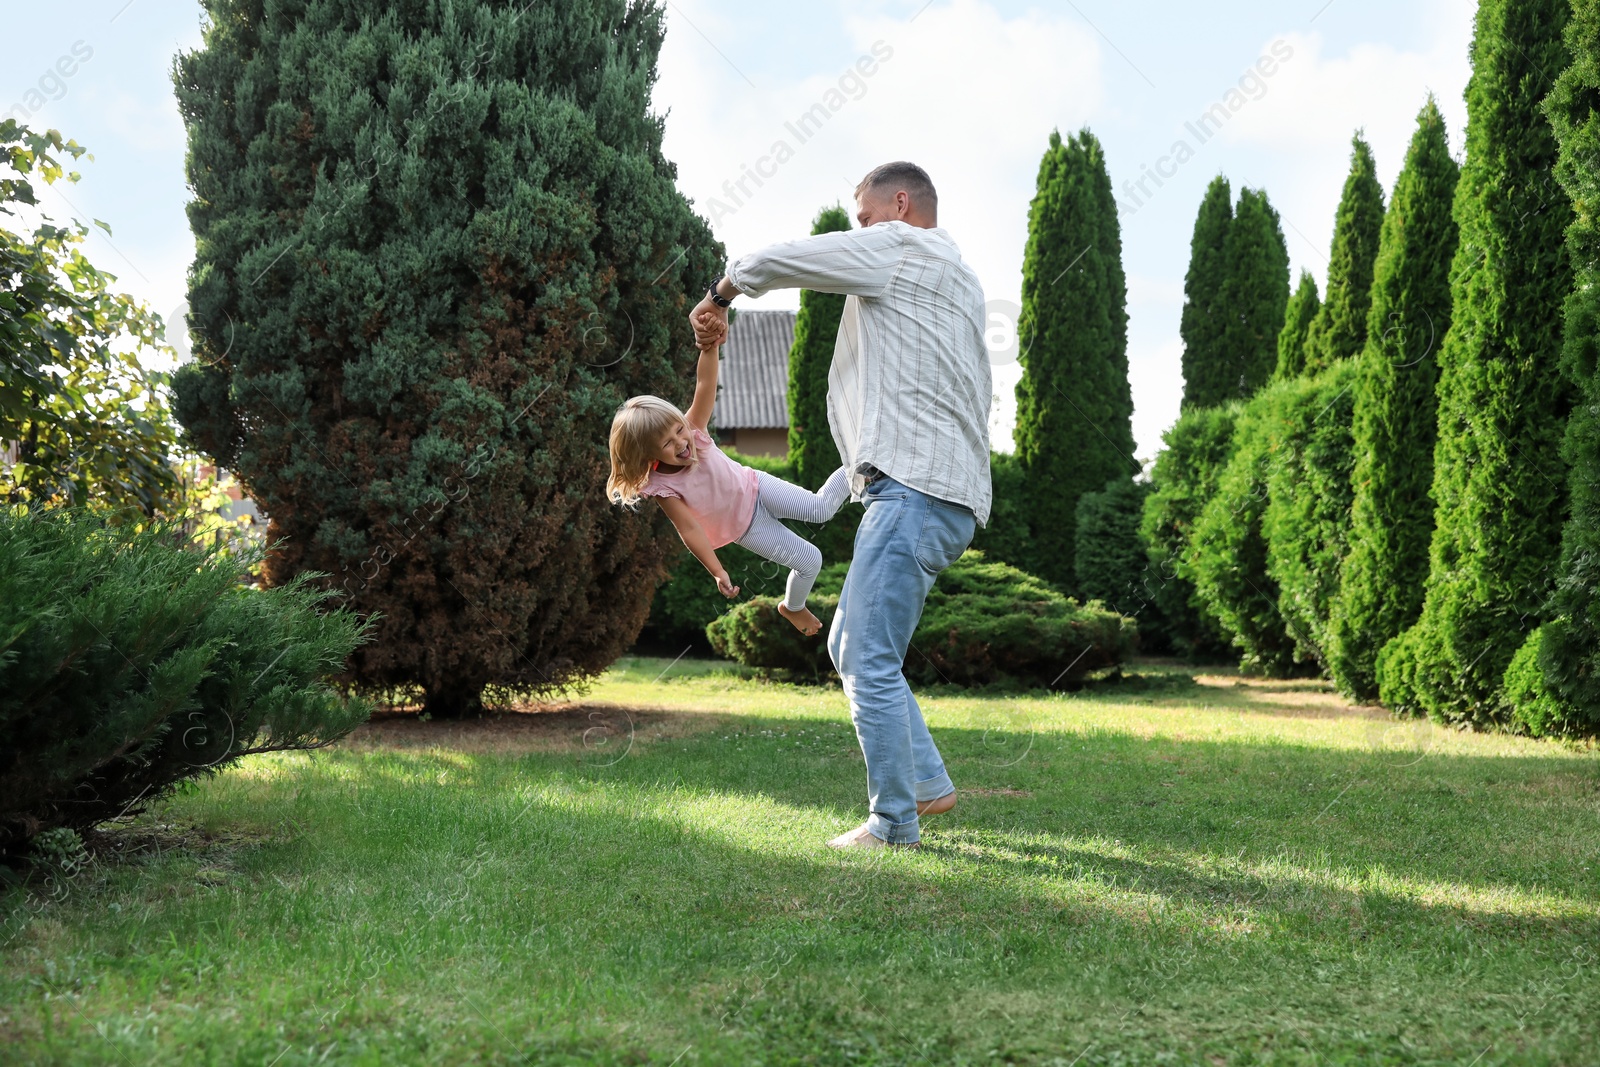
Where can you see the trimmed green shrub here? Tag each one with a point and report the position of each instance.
(1394, 419)
(1307, 520)
(436, 246)
(1228, 553)
(1503, 399)
(984, 623)
(1340, 329)
(1532, 704)
(1112, 563)
(1207, 378)
(1302, 311)
(1184, 478)
(131, 661)
(1074, 428)
(1572, 647)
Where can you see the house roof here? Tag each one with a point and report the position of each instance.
(755, 372)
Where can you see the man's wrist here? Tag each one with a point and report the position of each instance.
(725, 289)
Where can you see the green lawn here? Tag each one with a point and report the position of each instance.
(1162, 871)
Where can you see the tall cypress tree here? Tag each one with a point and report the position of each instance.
(1340, 328)
(1297, 318)
(1381, 584)
(1503, 400)
(1571, 657)
(811, 449)
(1074, 429)
(1205, 377)
(436, 246)
(1255, 294)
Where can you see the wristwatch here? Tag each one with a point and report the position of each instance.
(720, 301)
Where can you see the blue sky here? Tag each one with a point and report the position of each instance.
(968, 88)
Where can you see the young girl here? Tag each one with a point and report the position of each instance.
(659, 451)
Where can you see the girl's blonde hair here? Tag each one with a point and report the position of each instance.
(636, 434)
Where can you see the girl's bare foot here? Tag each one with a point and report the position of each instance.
(803, 620)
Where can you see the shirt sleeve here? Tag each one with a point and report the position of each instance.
(852, 262)
(653, 488)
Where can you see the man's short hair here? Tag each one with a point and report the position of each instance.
(902, 175)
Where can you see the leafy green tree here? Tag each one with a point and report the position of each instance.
(1074, 427)
(1503, 401)
(1205, 377)
(1391, 515)
(1184, 477)
(89, 423)
(1570, 655)
(811, 449)
(436, 246)
(1255, 294)
(1303, 307)
(1340, 328)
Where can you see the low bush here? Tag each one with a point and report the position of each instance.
(1112, 563)
(985, 622)
(1309, 502)
(1533, 704)
(1185, 476)
(1227, 555)
(131, 661)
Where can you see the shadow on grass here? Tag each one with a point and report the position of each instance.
(1481, 835)
(682, 896)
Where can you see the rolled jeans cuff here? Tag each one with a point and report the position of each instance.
(933, 788)
(904, 833)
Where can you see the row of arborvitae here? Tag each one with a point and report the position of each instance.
(1388, 510)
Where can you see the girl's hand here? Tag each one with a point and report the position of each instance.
(725, 585)
(710, 329)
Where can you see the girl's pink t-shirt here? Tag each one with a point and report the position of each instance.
(720, 492)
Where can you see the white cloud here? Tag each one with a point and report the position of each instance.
(1316, 101)
(968, 94)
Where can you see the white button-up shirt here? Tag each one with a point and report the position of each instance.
(909, 388)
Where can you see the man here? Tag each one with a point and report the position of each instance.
(908, 404)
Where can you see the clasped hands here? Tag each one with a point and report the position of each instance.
(710, 324)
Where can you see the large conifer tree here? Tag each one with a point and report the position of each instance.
(435, 247)
(1074, 429)
(1381, 584)
(1340, 329)
(1571, 659)
(1205, 364)
(811, 449)
(1503, 400)
(1255, 294)
(1297, 318)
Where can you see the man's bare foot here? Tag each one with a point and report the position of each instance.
(937, 807)
(803, 620)
(861, 837)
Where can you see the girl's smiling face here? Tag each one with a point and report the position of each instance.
(677, 447)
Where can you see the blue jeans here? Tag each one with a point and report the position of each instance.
(905, 540)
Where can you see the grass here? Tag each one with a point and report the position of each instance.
(1168, 870)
